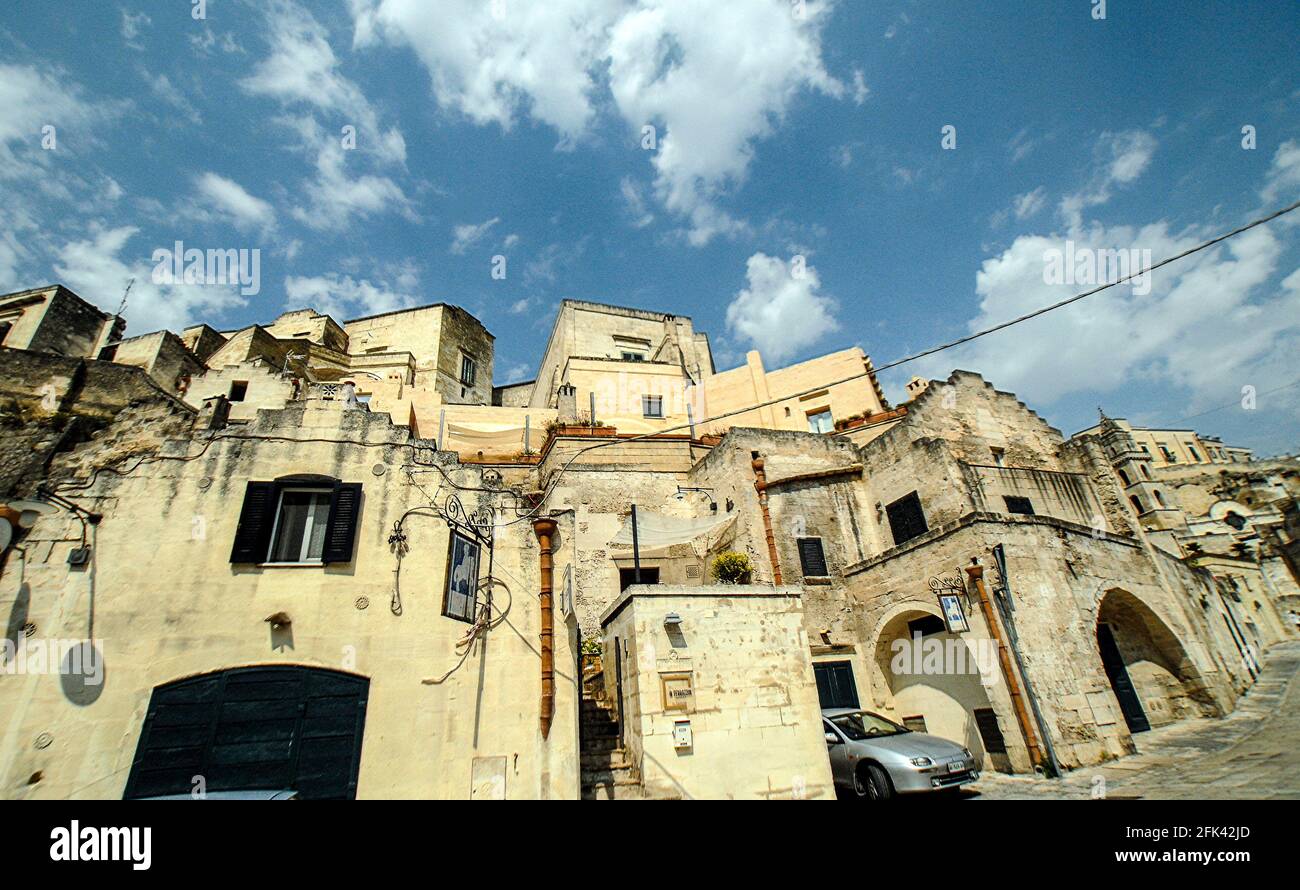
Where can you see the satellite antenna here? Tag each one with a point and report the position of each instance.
(125, 294)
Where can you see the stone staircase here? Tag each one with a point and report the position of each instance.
(607, 771)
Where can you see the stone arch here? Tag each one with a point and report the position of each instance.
(947, 699)
(1153, 678)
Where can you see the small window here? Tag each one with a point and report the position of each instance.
(301, 520)
(1160, 499)
(926, 626)
(1169, 455)
(238, 390)
(906, 519)
(1019, 505)
(1146, 474)
(915, 723)
(5, 328)
(1235, 519)
(1137, 504)
(460, 600)
(1192, 451)
(467, 369)
(998, 456)
(632, 356)
(627, 577)
(821, 421)
(1123, 477)
(812, 558)
(652, 406)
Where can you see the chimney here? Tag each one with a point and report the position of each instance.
(567, 402)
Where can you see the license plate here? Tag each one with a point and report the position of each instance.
(956, 766)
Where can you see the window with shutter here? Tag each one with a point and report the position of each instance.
(906, 519)
(253, 535)
(297, 519)
(342, 532)
(812, 558)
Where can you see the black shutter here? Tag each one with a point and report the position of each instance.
(906, 519)
(342, 531)
(812, 559)
(253, 536)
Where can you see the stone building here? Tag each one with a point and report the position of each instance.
(339, 539)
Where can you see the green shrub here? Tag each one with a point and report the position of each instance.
(730, 567)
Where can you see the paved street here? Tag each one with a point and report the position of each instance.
(1252, 753)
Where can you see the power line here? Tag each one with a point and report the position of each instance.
(1295, 382)
(925, 352)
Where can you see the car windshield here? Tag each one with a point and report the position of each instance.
(865, 725)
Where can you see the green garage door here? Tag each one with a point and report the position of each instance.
(256, 728)
(835, 686)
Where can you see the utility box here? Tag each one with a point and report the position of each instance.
(681, 734)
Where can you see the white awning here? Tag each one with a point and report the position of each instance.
(655, 530)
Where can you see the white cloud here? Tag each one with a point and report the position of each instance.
(334, 197)
(302, 69)
(861, 92)
(131, 25)
(164, 89)
(230, 198)
(780, 312)
(715, 82)
(1284, 173)
(520, 306)
(1210, 324)
(635, 202)
(1026, 205)
(492, 61)
(467, 235)
(712, 78)
(1119, 159)
(95, 269)
(343, 297)
(33, 99)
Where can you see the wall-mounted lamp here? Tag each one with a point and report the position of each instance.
(279, 620)
(707, 492)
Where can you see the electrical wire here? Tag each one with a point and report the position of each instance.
(553, 482)
(872, 371)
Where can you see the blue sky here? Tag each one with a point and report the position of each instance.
(781, 131)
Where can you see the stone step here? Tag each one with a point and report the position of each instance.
(603, 761)
(608, 792)
(599, 730)
(617, 778)
(599, 744)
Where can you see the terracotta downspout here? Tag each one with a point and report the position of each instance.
(544, 529)
(760, 485)
(976, 573)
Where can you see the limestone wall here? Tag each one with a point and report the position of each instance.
(753, 714)
(163, 601)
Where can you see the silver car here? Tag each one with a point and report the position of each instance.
(875, 758)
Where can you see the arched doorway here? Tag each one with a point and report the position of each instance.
(266, 728)
(1152, 676)
(933, 681)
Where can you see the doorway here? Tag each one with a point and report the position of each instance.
(835, 685)
(1129, 703)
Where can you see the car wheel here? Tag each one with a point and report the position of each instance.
(870, 782)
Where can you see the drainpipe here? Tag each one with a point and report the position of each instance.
(760, 485)
(545, 529)
(976, 573)
(1013, 639)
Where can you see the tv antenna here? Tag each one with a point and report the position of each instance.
(125, 294)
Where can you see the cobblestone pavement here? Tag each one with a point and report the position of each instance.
(1252, 753)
